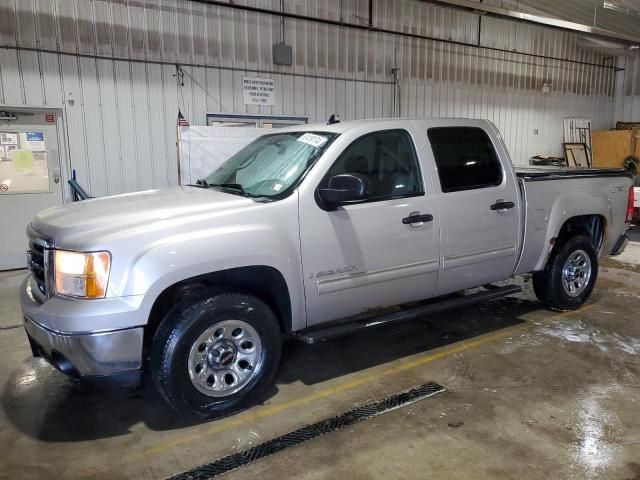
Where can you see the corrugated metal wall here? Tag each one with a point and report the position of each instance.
(628, 101)
(448, 80)
(109, 64)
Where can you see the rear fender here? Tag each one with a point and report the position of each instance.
(568, 206)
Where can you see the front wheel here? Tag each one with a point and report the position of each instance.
(215, 354)
(570, 275)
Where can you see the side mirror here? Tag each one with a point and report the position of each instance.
(345, 188)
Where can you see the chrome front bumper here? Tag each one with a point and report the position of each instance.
(109, 357)
(88, 354)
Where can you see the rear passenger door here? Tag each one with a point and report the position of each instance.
(479, 208)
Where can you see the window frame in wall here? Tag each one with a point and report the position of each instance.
(253, 120)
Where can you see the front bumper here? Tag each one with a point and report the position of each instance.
(106, 357)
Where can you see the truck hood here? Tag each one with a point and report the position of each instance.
(76, 224)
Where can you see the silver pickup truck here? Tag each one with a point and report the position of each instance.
(311, 232)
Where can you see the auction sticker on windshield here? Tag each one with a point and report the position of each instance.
(312, 139)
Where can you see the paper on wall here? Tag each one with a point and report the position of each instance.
(8, 138)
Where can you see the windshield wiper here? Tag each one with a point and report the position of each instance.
(200, 183)
(229, 186)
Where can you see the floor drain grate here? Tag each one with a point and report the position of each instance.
(301, 435)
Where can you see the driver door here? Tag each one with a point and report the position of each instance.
(362, 256)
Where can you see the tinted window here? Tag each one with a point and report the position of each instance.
(387, 159)
(465, 158)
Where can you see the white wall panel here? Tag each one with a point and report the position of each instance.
(121, 100)
(109, 124)
(126, 126)
(142, 125)
(10, 82)
(51, 80)
(628, 98)
(31, 81)
(74, 119)
(93, 125)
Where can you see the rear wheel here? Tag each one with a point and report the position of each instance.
(215, 354)
(570, 275)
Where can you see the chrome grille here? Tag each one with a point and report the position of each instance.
(37, 259)
(36, 265)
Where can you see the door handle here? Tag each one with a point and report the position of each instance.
(417, 218)
(501, 205)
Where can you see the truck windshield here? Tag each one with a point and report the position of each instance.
(271, 165)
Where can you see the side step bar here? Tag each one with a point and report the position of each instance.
(324, 333)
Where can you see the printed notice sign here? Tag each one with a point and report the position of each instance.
(258, 91)
(36, 141)
(312, 139)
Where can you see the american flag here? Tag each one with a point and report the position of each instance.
(182, 122)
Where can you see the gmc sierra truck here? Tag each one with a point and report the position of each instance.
(311, 232)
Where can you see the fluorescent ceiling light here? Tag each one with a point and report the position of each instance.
(620, 9)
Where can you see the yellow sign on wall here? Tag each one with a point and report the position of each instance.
(22, 160)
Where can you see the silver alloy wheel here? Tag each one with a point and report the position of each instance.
(576, 273)
(224, 358)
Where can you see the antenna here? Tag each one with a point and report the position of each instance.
(334, 118)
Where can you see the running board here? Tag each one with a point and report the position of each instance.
(324, 333)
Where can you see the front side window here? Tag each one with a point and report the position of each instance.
(465, 158)
(271, 165)
(387, 159)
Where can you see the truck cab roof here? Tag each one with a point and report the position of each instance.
(342, 127)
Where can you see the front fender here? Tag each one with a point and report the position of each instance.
(182, 256)
(186, 255)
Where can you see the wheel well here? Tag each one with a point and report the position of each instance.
(594, 226)
(264, 282)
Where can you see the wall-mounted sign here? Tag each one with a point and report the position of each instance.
(258, 91)
(35, 137)
(8, 138)
(36, 141)
(50, 118)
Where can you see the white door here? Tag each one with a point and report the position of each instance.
(30, 178)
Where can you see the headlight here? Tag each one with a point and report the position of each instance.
(83, 275)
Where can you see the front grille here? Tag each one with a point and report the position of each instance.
(37, 257)
(36, 265)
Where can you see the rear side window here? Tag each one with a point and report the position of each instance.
(465, 158)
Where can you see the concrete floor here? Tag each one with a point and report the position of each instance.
(530, 394)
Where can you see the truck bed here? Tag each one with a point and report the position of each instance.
(534, 174)
(547, 205)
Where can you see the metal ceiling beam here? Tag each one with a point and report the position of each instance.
(501, 12)
(358, 26)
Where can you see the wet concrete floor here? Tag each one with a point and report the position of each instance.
(530, 394)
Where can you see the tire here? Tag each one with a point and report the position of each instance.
(213, 381)
(553, 286)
